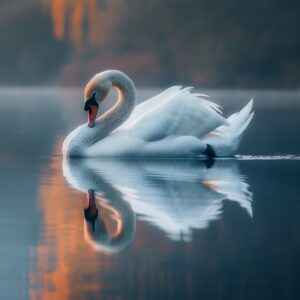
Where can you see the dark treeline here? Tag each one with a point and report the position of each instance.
(232, 43)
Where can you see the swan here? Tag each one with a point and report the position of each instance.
(176, 123)
(175, 196)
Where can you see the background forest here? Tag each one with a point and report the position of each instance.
(207, 43)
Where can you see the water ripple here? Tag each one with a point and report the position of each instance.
(268, 157)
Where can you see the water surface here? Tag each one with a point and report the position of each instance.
(154, 229)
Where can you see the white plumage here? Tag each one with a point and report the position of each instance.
(175, 123)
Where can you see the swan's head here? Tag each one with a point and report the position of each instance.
(94, 93)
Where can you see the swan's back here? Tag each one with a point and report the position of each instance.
(175, 112)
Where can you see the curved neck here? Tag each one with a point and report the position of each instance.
(122, 109)
(82, 137)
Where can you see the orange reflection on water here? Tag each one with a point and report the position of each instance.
(65, 265)
(62, 261)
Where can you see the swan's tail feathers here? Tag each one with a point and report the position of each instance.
(225, 140)
(238, 122)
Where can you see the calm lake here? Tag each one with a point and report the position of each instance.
(147, 229)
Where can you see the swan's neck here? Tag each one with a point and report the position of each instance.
(122, 109)
(83, 137)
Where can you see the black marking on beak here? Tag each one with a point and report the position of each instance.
(89, 102)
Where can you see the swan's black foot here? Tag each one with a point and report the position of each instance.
(209, 151)
(211, 154)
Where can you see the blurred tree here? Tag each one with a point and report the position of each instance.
(29, 53)
(208, 43)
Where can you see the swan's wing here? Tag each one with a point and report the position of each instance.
(150, 103)
(175, 112)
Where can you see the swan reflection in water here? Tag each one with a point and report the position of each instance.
(176, 196)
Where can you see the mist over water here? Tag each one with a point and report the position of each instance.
(32, 119)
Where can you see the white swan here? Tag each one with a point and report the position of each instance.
(175, 123)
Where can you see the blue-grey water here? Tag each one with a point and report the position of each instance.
(147, 229)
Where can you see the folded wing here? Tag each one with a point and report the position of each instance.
(174, 112)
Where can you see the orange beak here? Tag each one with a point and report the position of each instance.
(92, 115)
